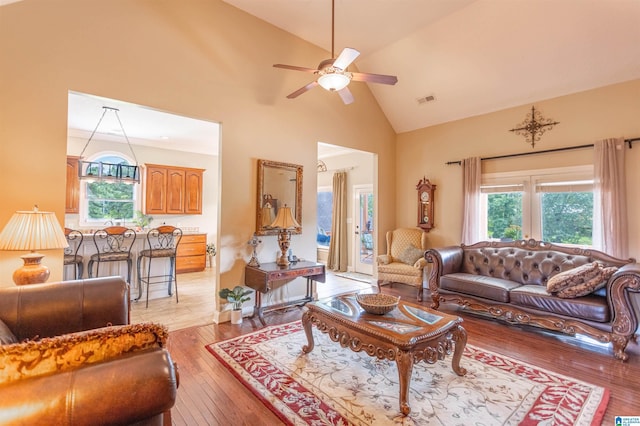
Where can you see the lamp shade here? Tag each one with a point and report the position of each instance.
(284, 219)
(32, 230)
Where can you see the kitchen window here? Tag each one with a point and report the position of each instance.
(108, 202)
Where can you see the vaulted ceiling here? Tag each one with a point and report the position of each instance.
(471, 56)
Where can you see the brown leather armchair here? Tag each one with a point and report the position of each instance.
(137, 387)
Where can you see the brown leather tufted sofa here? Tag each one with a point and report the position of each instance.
(507, 281)
(135, 388)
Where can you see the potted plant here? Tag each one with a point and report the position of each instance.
(236, 297)
(142, 220)
(211, 252)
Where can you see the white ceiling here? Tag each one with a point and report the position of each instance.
(473, 56)
(142, 125)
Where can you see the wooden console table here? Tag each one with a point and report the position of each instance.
(260, 279)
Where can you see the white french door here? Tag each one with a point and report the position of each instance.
(363, 241)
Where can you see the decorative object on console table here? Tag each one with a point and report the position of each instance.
(192, 253)
(425, 204)
(253, 242)
(261, 279)
(32, 230)
(236, 297)
(284, 222)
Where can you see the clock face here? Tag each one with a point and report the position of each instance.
(424, 196)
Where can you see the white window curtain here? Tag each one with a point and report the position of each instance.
(472, 177)
(610, 206)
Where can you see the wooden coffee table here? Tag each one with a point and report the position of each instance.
(410, 333)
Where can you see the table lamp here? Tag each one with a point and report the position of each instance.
(32, 230)
(284, 222)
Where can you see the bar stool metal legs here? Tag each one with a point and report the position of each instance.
(161, 243)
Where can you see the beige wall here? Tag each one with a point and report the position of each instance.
(197, 58)
(585, 117)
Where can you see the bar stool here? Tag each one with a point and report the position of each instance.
(113, 244)
(71, 257)
(161, 242)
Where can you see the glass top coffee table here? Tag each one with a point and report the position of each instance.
(410, 333)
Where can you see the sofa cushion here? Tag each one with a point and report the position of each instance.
(596, 283)
(410, 255)
(478, 285)
(591, 308)
(66, 352)
(573, 276)
(6, 336)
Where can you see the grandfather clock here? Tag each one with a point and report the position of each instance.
(425, 204)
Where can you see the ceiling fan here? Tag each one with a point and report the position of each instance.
(333, 74)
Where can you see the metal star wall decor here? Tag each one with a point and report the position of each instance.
(534, 126)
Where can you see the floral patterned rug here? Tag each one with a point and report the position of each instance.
(336, 386)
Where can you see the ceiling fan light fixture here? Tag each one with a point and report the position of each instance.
(334, 81)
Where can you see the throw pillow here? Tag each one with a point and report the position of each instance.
(410, 255)
(588, 287)
(6, 336)
(66, 352)
(572, 277)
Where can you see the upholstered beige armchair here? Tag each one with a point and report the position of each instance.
(404, 261)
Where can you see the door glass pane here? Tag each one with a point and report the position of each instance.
(567, 217)
(504, 216)
(325, 208)
(366, 232)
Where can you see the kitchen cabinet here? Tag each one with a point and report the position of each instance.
(191, 254)
(173, 190)
(72, 194)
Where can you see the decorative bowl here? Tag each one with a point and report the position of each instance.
(377, 303)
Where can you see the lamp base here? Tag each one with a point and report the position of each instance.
(284, 239)
(32, 272)
(282, 260)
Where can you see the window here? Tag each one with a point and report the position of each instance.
(549, 205)
(103, 201)
(325, 214)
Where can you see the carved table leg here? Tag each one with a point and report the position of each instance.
(460, 339)
(404, 361)
(306, 323)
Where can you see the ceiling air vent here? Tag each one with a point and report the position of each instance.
(424, 99)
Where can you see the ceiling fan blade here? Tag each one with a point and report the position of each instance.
(346, 95)
(374, 78)
(295, 68)
(347, 56)
(301, 90)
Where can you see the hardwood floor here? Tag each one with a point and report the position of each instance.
(210, 395)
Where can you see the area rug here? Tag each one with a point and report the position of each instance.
(336, 386)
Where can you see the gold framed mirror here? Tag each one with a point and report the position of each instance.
(279, 184)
